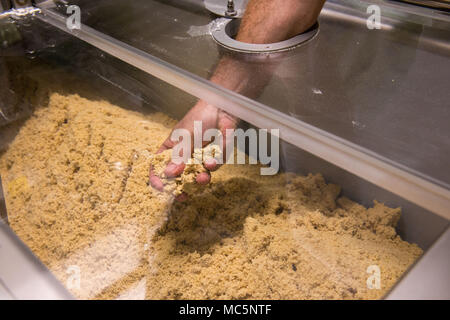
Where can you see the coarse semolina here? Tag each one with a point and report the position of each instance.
(76, 181)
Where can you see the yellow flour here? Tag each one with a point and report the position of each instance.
(76, 181)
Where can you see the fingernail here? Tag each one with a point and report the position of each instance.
(181, 197)
(173, 170)
(156, 183)
(203, 178)
(210, 164)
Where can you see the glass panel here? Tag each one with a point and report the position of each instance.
(376, 88)
(76, 142)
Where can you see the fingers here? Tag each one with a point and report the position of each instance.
(167, 144)
(181, 197)
(174, 170)
(155, 181)
(211, 117)
(203, 178)
(157, 184)
(211, 164)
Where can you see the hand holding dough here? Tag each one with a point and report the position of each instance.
(166, 176)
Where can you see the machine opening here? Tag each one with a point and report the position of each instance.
(226, 31)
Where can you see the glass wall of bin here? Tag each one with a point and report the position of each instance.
(360, 198)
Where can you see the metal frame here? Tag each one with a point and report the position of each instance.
(428, 277)
(22, 275)
(226, 29)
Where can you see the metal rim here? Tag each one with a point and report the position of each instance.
(224, 33)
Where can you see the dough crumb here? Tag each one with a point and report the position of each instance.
(76, 186)
(185, 183)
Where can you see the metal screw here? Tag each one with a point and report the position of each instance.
(231, 12)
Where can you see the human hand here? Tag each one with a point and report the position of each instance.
(211, 117)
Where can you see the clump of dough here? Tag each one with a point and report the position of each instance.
(185, 183)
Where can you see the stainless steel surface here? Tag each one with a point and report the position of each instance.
(429, 278)
(396, 178)
(22, 275)
(224, 31)
(398, 10)
(221, 7)
(3, 212)
(443, 4)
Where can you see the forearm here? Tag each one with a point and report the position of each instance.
(268, 21)
(265, 21)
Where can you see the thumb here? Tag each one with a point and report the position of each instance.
(172, 170)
